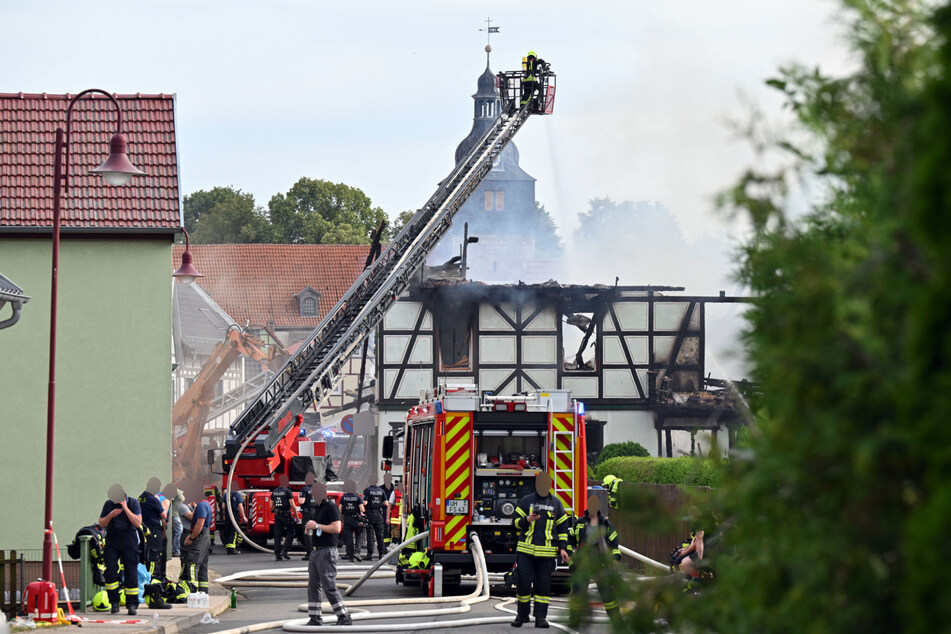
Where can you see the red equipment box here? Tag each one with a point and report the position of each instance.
(40, 601)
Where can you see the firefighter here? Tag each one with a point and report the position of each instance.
(413, 524)
(229, 531)
(307, 507)
(594, 538)
(396, 507)
(284, 510)
(374, 502)
(543, 524)
(324, 525)
(611, 483)
(153, 529)
(530, 67)
(196, 540)
(351, 506)
(121, 516)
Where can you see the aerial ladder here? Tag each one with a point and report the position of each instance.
(310, 375)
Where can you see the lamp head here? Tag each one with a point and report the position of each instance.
(117, 169)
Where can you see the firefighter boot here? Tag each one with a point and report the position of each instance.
(521, 616)
(541, 614)
(154, 598)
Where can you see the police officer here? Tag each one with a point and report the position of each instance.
(594, 537)
(351, 506)
(307, 507)
(543, 523)
(121, 516)
(229, 531)
(284, 510)
(374, 501)
(153, 529)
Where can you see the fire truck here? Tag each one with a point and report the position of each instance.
(469, 456)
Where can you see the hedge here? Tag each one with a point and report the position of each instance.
(629, 448)
(686, 470)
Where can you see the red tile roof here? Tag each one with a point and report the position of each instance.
(257, 283)
(28, 125)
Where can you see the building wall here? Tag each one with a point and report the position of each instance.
(113, 388)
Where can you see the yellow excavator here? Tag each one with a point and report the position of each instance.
(191, 410)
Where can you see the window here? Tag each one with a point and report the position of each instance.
(454, 330)
(499, 201)
(488, 201)
(578, 340)
(308, 307)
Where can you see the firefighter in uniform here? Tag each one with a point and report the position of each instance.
(611, 483)
(543, 524)
(121, 516)
(229, 532)
(396, 508)
(153, 528)
(594, 535)
(351, 506)
(307, 507)
(374, 501)
(196, 539)
(284, 509)
(323, 526)
(530, 65)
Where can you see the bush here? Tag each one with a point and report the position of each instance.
(617, 449)
(685, 471)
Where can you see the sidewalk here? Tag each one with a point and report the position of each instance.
(173, 621)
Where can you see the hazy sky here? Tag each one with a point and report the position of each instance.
(378, 94)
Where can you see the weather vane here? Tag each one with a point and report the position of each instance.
(489, 30)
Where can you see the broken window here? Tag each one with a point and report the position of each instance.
(578, 340)
(454, 330)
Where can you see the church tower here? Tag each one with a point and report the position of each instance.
(501, 211)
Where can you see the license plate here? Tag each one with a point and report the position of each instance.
(457, 507)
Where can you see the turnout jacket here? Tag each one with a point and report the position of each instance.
(603, 536)
(544, 536)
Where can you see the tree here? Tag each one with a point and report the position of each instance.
(840, 512)
(547, 240)
(320, 212)
(401, 220)
(834, 517)
(624, 221)
(225, 216)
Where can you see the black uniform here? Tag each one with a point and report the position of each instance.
(350, 509)
(122, 544)
(308, 507)
(322, 566)
(153, 529)
(284, 523)
(374, 498)
(602, 538)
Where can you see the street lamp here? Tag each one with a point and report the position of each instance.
(116, 170)
(186, 273)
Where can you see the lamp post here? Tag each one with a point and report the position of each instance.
(116, 170)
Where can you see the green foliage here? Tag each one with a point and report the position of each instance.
(224, 215)
(629, 448)
(685, 471)
(320, 212)
(400, 221)
(545, 231)
(838, 512)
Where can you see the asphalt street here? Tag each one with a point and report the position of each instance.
(265, 604)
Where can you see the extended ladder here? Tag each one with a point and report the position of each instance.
(311, 374)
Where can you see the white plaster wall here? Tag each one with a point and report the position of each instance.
(631, 425)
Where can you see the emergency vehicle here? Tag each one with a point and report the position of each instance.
(468, 459)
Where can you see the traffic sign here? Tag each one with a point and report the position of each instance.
(347, 424)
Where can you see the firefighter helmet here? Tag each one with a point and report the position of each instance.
(100, 602)
(608, 479)
(532, 54)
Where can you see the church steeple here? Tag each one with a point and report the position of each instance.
(487, 104)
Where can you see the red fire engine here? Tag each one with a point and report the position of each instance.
(469, 458)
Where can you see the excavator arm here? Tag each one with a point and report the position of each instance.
(189, 413)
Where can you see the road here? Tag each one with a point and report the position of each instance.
(265, 604)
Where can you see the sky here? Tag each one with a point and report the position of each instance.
(377, 94)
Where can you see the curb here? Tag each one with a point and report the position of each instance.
(216, 605)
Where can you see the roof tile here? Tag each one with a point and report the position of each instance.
(257, 283)
(28, 125)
